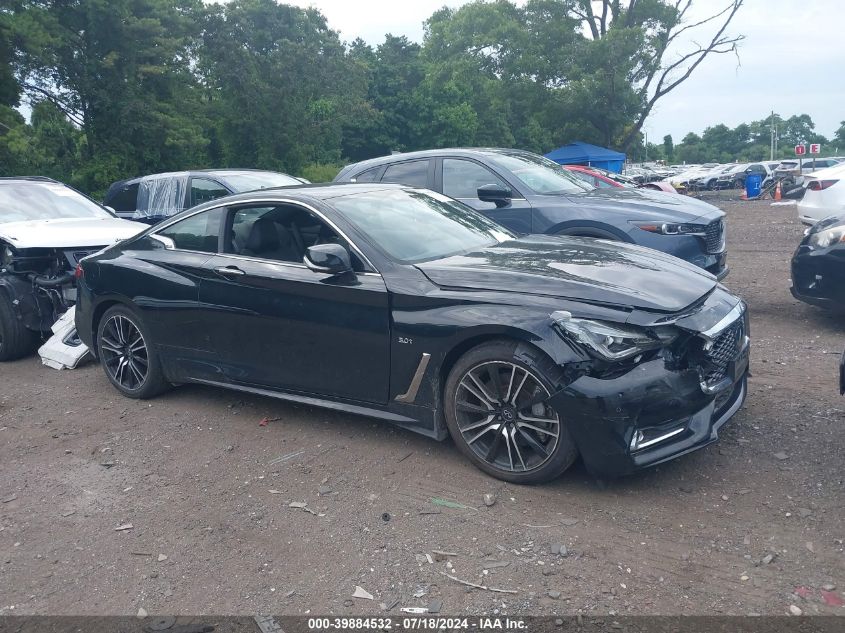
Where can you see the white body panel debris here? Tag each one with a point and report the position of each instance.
(64, 350)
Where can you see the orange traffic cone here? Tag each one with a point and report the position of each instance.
(777, 191)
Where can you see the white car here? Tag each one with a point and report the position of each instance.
(824, 194)
(45, 229)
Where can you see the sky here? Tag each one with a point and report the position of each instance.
(790, 61)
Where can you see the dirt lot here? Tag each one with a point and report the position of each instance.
(734, 528)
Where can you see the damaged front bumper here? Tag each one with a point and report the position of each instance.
(653, 412)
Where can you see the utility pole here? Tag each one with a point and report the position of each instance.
(772, 133)
(646, 146)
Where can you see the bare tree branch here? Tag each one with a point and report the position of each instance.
(666, 79)
(75, 117)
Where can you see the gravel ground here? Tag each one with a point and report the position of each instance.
(752, 524)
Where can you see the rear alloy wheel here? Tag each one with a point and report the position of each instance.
(127, 358)
(498, 414)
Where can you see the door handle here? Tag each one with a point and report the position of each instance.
(229, 270)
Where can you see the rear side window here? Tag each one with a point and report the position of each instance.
(124, 200)
(412, 173)
(199, 232)
(203, 190)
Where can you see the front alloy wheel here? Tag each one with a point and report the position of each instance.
(498, 414)
(503, 417)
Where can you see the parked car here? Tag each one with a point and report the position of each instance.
(155, 197)
(602, 179)
(597, 179)
(734, 178)
(795, 168)
(403, 304)
(824, 195)
(528, 193)
(45, 229)
(818, 266)
(707, 180)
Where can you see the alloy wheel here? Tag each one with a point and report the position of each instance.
(124, 352)
(501, 412)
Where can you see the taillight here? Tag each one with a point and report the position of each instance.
(820, 185)
(78, 272)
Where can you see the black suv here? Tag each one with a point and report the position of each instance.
(152, 198)
(528, 193)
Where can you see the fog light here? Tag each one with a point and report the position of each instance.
(642, 440)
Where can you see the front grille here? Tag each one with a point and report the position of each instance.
(725, 348)
(714, 236)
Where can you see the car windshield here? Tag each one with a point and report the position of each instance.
(251, 180)
(22, 200)
(539, 174)
(413, 226)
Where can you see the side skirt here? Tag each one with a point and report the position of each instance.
(316, 402)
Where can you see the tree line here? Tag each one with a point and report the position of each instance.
(119, 88)
(746, 142)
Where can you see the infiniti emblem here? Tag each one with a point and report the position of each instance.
(507, 415)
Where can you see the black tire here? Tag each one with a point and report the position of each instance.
(128, 356)
(526, 378)
(15, 340)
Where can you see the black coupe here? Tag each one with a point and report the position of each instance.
(403, 304)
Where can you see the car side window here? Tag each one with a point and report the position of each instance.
(371, 175)
(603, 184)
(124, 200)
(413, 173)
(462, 178)
(280, 233)
(203, 190)
(199, 232)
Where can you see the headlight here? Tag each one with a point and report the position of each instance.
(670, 228)
(611, 341)
(828, 237)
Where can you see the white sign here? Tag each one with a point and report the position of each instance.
(815, 148)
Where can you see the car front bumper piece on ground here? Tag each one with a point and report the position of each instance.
(655, 413)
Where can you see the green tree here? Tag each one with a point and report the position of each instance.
(637, 52)
(668, 148)
(280, 85)
(119, 69)
(838, 139)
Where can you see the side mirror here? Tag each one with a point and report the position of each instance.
(497, 194)
(328, 258)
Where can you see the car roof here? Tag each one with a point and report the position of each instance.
(308, 193)
(30, 179)
(221, 171)
(467, 152)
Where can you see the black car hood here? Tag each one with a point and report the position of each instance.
(649, 204)
(596, 271)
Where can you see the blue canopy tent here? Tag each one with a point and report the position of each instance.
(579, 153)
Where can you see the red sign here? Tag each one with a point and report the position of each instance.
(815, 148)
(800, 150)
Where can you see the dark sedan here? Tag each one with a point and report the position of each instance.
(818, 266)
(405, 305)
(528, 193)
